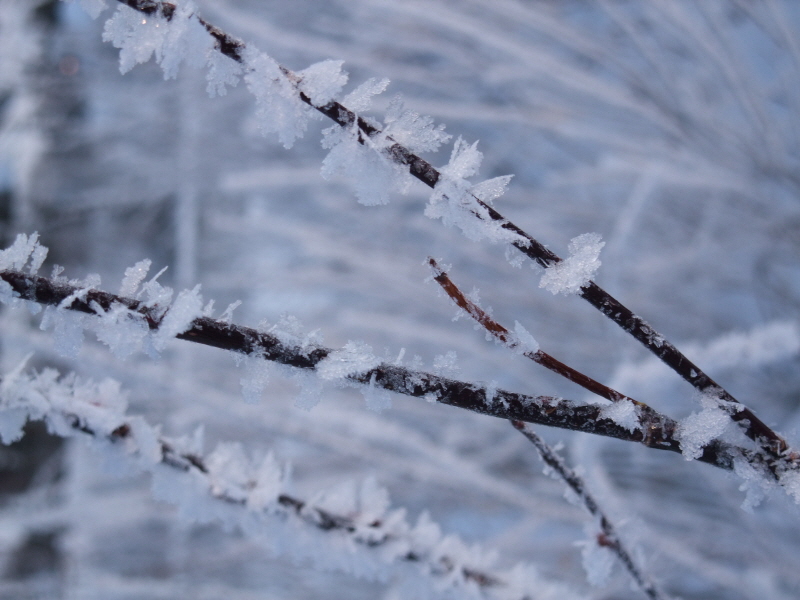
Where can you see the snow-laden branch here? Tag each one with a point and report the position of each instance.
(129, 325)
(350, 528)
(281, 95)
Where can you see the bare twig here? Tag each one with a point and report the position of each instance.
(539, 356)
(770, 442)
(544, 410)
(608, 536)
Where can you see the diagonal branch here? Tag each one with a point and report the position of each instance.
(393, 538)
(770, 442)
(544, 410)
(608, 536)
(508, 339)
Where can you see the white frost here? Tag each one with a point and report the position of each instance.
(698, 429)
(322, 81)
(624, 413)
(354, 358)
(522, 341)
(571, 274)
(187, 307)
(456, 201)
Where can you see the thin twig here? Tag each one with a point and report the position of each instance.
(770, 442)
(504, 336)
(608, 536)
(544, 410)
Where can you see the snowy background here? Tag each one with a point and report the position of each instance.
(670, 128)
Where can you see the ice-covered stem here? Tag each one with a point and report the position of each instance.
(511, 341)
(770, 441)
(71, 407)
(544, 410)
(608, 536)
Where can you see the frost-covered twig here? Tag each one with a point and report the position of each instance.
(351, 530)
(770, 442)
(608, 537)
(544, 410)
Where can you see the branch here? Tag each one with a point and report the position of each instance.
(770, 442)
(609, 537)
(71, 406)
(544, 410)
(508, 339)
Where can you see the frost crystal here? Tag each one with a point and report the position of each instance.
(187, 307)
(624, 413)
(456, 201)
(322, 81)
(133, 277)
(698, 429)
(255, 378)
(414, 131)
(571, 274)
(446, 364)
(121, 329)
(353, 359)
(278, 107)
(25, 248)
(523, 342)
(172, 41)
(222, 72)
(372, 174)
(360, 99)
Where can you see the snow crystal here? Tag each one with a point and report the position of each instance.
(756, 484)
(455, 200)
(278, 107)
(446, 365)
(414, 131)
(255, 378)
(121, 329)
(322, 81)
(362, 159)
(310, 390)
(187, 307)
(141, 36)
(523, 342)
(155, 295)
(269, 482)
(360, 99)
(133, 278)
(378, 399)
(790, 480)
(229, 470)
(227, 316)
(23, 249)
(354, 358)
(222, 72)
(68, 329)
(372, 174)
(624, 413)
(698, 429)
(571, 274)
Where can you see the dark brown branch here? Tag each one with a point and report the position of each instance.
(772, 443)
(544, 410)
(608, 536)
